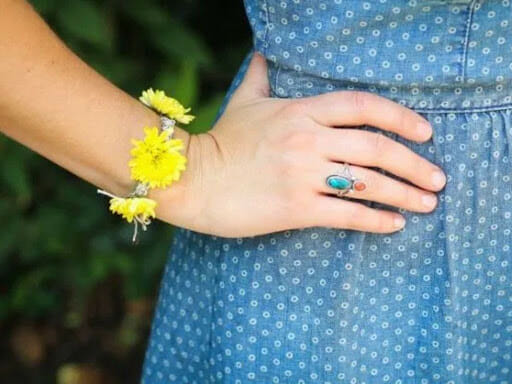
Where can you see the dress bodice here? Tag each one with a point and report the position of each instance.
(409, 51)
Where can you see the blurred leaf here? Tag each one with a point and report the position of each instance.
(86, 21)
(30, 294)
(146, 13)
(44, 6)
(9, 236)
(176, 40)
(205, 115)
(182, 85)
(118, 70)
(52, 227)
(15, 174)
(4, 306)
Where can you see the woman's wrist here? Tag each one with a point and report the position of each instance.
(181, 203)
(122, 184)
(81, 121)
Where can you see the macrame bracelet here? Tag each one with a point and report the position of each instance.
(156, 160)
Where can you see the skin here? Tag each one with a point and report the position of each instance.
(258, 170)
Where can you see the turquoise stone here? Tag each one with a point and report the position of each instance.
(339, 182)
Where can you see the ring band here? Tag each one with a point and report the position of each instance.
(345, 182)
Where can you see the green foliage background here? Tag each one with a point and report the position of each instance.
(58, 242)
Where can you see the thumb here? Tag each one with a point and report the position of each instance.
(255, 82)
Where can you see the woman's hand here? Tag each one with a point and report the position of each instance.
(262, 167)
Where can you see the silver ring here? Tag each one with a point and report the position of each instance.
(345, 182)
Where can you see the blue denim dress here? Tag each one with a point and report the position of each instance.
(431, 303)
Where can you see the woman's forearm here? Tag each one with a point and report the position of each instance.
(257, 170)
(55, 104)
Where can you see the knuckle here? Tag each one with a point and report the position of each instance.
(299, 140)
(417, 162)
(360, 100)
(374, 220)
(380, 221)
(295, 108)
(403, 195)
(356, 216)
(380, 144)
(372, 180)
(402, 119)
(363, 218)
(286, 167)
(385, 222)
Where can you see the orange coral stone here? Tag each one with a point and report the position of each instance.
(359, 186)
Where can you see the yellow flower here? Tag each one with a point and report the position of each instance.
(140, 208)
(166, 105)
(156, 159)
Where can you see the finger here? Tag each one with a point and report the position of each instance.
(345, 214)
(255, 82)
(375, 149)
(349, 108)
(378, 187)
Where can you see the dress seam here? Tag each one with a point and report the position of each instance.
(466, 39)
(490, 108)
(267, 27)
(464, 110)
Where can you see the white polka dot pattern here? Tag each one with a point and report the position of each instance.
(431, 303)
(423, 54)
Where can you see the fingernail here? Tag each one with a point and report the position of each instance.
(428, 200)
(438, 179)
(424, 129)
(399, 221)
